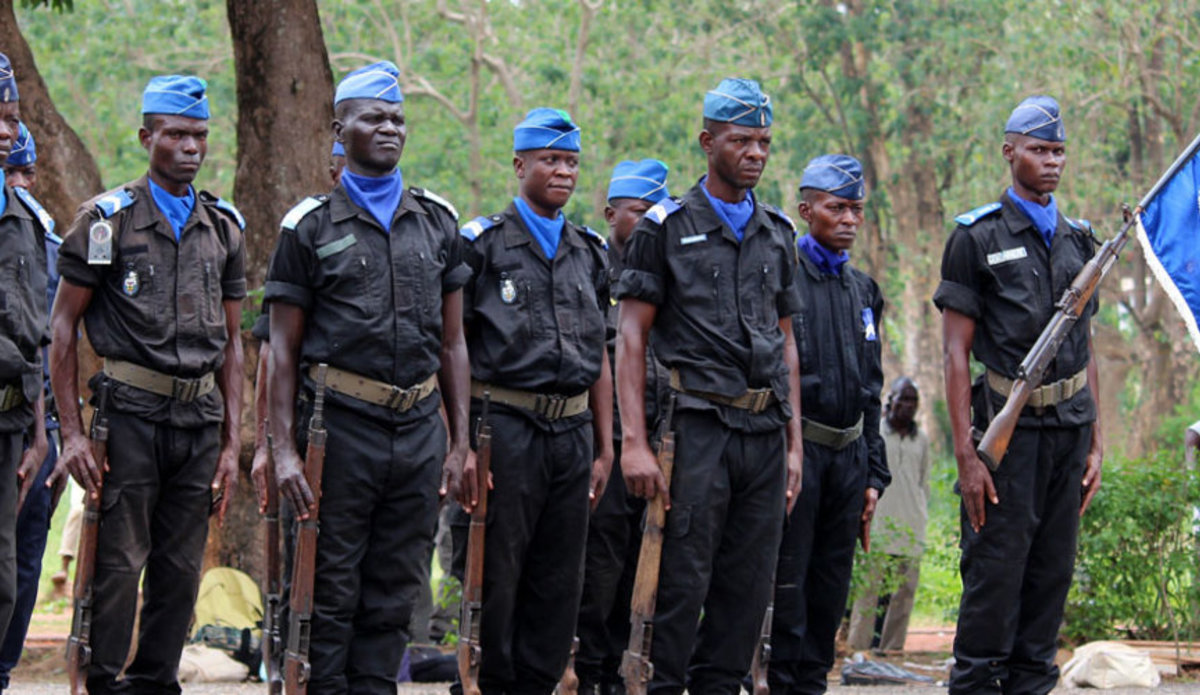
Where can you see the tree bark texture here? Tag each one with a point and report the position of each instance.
(285, 108)
(67, 172)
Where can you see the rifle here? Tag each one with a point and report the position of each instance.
(296, 669)
(470, 649)
(79, 647)
(272, 639)
(762, 653)
(996, 439)
(636, 667)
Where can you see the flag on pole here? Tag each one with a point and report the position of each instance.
(1169, 230)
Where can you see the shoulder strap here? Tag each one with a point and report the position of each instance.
(476, 227)
(969, 218)
(228, 208)
(431, 196)
(297, 213)
(38, 211)
(594, 237)
(112, 203)
(663, 209)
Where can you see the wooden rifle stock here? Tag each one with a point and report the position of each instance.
(762, 653)
(296, 670)
(79, 645)
(272, 640)
(636, 667)
(470, 649)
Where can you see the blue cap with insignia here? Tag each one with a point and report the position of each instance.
(740, 102)
(645, 180)
(339, 150)
(8, 81)
(376, 81)
(1039, 117)
(546, 129)
(838, 174)
(176, 95)
(23, 152)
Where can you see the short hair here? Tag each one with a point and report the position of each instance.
(715, 127)
(150, 121)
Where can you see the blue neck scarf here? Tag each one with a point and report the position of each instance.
(735, 215)
(1045, 219)
(378, 195)
(547, 232)
(3, 195)
(176, 209)
(827, 261)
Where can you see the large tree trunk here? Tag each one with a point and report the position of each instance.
(66, 171)
(285, 107)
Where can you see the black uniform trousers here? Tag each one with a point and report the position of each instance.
(816, 559)
(719, 552)
(12, 446)
(154, 516)
(379, 506)
(614, 539)
(537, 520)
(1017, 570)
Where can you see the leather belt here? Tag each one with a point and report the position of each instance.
(551, 406)
(378, 392)
(1043, 396)
(831, 437)
(754, 400)
(11, 396)
(146, 379)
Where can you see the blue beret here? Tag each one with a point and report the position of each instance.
(838, 174)
(740, 102)
(338, 150)
(1038, 116)
(376, 81)
(23, 152)
(645, 180)
(546, 129)
(8, 81)
(176, 95)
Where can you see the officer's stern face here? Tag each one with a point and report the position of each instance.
(22, 177)
(373, 133)
(738, 154)
(10, 126)
(547, 178)
(1037, 164)
(177, 146)
(833, 221)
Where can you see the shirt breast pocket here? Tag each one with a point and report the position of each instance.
(348, 270)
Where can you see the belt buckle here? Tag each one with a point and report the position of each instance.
(550, 406)
(184, 390)
(402, 400)
(761, 399)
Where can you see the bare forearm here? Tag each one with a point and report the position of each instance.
(454, 379)
(631, 383)
(229, 377)
(64, 377)
(792, 359)
(260, 397)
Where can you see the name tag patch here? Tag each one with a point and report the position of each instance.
(693, 239)
(1007, 255)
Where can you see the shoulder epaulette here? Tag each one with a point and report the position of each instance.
(595, 237)
(114, 202)
(663, 209)
(473, 229)
(297, 213)
(1080, 224)
(38, 211)
(430, 195)
(781, 215)
(969, 218)
(233, 212)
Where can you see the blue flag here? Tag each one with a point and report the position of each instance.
(1169, 229)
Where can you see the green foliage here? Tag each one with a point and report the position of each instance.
(58, 5)
(1136, 565)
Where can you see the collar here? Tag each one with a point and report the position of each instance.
(14, 207)
(148, 215)
(515, 233)
(706, 219)
(821, 259)
(341, 208)
(1019, 223)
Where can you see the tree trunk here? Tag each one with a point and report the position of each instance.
(66, 171)
(285, 107)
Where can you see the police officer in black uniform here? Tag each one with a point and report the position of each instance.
(714, 276)
(156, 270)
(1004, 268)
(535, 313)
(614, 529)
(22, 407)
(845, 465)
(368, 280)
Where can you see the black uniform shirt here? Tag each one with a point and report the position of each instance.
(996, 270)
(158, 303)
(532, 323)
(372, 300)
(22, 307)
(719, 301)
(841, 372)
